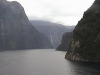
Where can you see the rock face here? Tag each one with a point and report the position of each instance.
(66, 39)
(16, 31)
(53, 31)
(85, 44)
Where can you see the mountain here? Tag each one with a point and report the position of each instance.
(53, 31)
(16, 31)
(85, 44)
(66, 39)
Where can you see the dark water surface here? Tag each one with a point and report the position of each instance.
(43, 62)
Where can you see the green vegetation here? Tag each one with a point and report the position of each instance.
(87, 32)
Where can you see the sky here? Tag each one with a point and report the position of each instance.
(66, 12)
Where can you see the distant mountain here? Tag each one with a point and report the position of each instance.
(66, 39)
(16, 31)
(85, 44)
(53, 31)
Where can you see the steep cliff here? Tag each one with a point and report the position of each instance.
(85, 44)
(66, 39)
(16, 31)
(53, 31)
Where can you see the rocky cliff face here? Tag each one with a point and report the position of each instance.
(66, 39)
(16, 31)
(53, 31)
(85, 44)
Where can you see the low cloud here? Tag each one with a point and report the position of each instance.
(67, 12)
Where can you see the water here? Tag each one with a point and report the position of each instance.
(42, 62)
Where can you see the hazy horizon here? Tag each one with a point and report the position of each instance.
(66, 12)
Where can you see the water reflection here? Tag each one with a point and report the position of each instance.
(85, 68)
(43, 62)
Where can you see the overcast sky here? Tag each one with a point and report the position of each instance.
(67, 12)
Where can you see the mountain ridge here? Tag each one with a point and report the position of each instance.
(53, 31)
(85, 44)
(16, 31)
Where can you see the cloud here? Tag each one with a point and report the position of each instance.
(63, 11)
